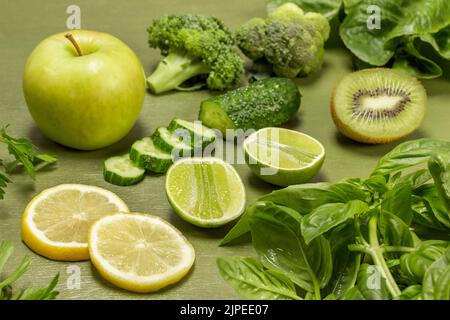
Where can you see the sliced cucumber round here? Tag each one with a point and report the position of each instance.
(171, 143)
(122, 171)
(146, 155)
(198, 134)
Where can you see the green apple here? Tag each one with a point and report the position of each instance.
(85, 89)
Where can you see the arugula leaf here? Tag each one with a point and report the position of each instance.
(24, 153)
(436, 282)
(3, 182)
(278, 241)
(6, 293)
(328, 216)
(248, 277)
(329, 8)
(408, 154)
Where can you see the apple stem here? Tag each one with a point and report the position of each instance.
(75, 44)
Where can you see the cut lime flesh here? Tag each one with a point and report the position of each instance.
(283, 157)
(205, 191)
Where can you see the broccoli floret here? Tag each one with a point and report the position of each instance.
(250, 38)
(193, 45)
(290, 40)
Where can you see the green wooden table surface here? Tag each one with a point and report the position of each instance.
(25, 23)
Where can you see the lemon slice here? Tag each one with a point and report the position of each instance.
(283, 157)
(206, 192)
(140, 253)
(55, 223)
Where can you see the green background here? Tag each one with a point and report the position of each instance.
(25, 23)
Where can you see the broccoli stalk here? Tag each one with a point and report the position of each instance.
(193, 45)
(174, 70)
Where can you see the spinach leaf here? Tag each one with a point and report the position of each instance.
(278, 241)
(414, 265)
(398, 201)
(369, 44)
(328, 216)
(440, 41)
(409, 59)
(394, 231)
(306, 197)
(329, 8)
(248, 277)
(370, 285)
(439, 166)
(345, 262)
(436, 282)
(409, 154)
(413, 292)
(422, 17)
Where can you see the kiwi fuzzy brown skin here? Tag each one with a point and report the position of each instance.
(357, 136)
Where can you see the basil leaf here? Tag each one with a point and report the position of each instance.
(345, 262)
(414, 265)
(424, 215)
(329, 8)
(416, 179)
(430, 195)
(394, 231)
(376, 184)
(439, 166)
(398, 201)
(409, 59)
(370, 285)
(409, 154)
(278, 241)
(328, 216)
(306, 197)
(436, 282)
(413, 292)
(248, 277)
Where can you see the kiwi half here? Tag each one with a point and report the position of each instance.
(378, 105)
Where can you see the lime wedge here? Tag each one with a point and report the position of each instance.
(283, 157)
(206, 192)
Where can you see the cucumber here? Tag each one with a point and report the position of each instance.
(122, 171)
(146, 155)
(170, 143)
(199, 135)
(264, 103)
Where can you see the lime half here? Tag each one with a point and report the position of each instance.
(206, 192)
(283, 157)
